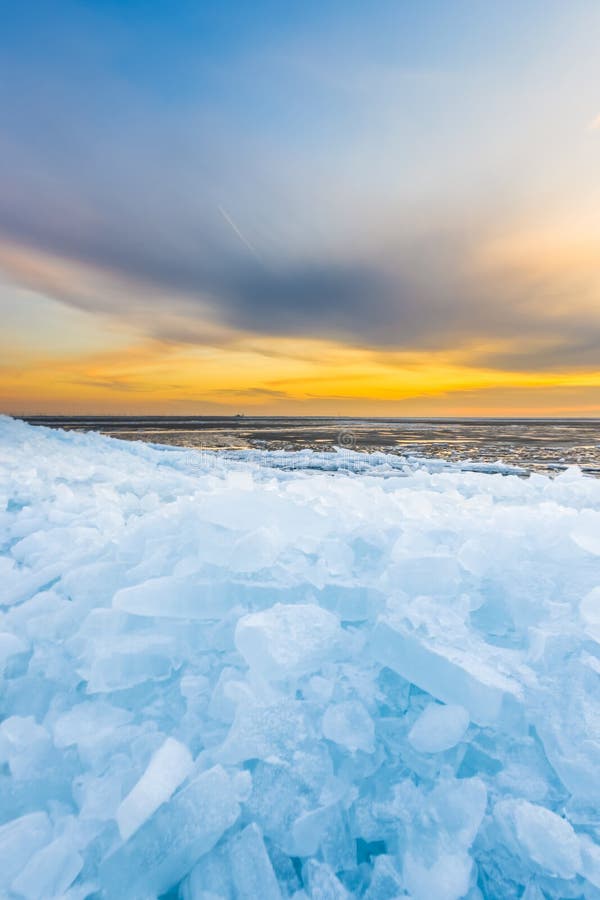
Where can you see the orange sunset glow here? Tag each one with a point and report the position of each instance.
(433, 250)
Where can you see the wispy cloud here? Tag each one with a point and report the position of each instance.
(238, 232)
(357, 200)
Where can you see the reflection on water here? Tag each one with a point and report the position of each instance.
(546, 445)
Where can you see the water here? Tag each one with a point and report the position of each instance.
(539, 445)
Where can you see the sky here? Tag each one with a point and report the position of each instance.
(324, 208)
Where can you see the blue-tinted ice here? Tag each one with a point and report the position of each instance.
(230, 679)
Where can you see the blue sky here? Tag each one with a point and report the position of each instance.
(395, 177)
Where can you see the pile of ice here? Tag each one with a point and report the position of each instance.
(228, 680)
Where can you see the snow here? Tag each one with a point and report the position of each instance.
(303, 675)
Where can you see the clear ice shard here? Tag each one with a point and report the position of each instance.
(168, 768)
(164, 849)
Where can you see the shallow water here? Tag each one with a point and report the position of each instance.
(540, 445)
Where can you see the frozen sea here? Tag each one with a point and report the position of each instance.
(329, 659)
(539, 445)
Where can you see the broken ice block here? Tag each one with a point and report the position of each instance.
(447, 877)
(589, 610)
(323, 882)
(288, 639)
(19, 840)
(450, 673)
(439, 728)
(259, 732)
(350, 725)
(50, 872)
(168, 768)
(25, 746)
(168, 844)
(174, 597)
(251, 869)
(543, 837)
(10, 645)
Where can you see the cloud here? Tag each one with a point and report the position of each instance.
(594, 125)
(429, 293)
(206, 224)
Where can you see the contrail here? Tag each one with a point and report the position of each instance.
(242, 238)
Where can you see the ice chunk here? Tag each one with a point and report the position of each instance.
(586, 533)
(433, 575)
(308, 830)
(589, 610)
(164, 849)
(22, 583)
(350, 725)
(168, 768)
(210, 879)
(251, 869)
(10, 645)
(120, 662)
(450, 673)
(229, 691)
(288, 640)
(24, 745)
(19, 840)
(590, 859)
(49, 873)
(446, 878)
(439, 728)
(175, 597)
(97, 728)
(386, 882)
(256, 550)
(544, 838)
(323, 883)
(259, 732)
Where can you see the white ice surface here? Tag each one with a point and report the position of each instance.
(311, 675)
(168, 768)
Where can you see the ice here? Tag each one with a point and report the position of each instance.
(179, 597)
(543, 837)
(590, 860)
(439, 728)
(288, 640)
(210, 879)
(350, 725)
(49, 872)
(252, 874)
(265, 731)
(164, 849)
(447, 878)
(25, 746)
(323, 883)
(168, 768)
(19, 840)
(455, 673)
(386, 881)
(589, 610)
(310, 676)
(586, 533)
(10, 645)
